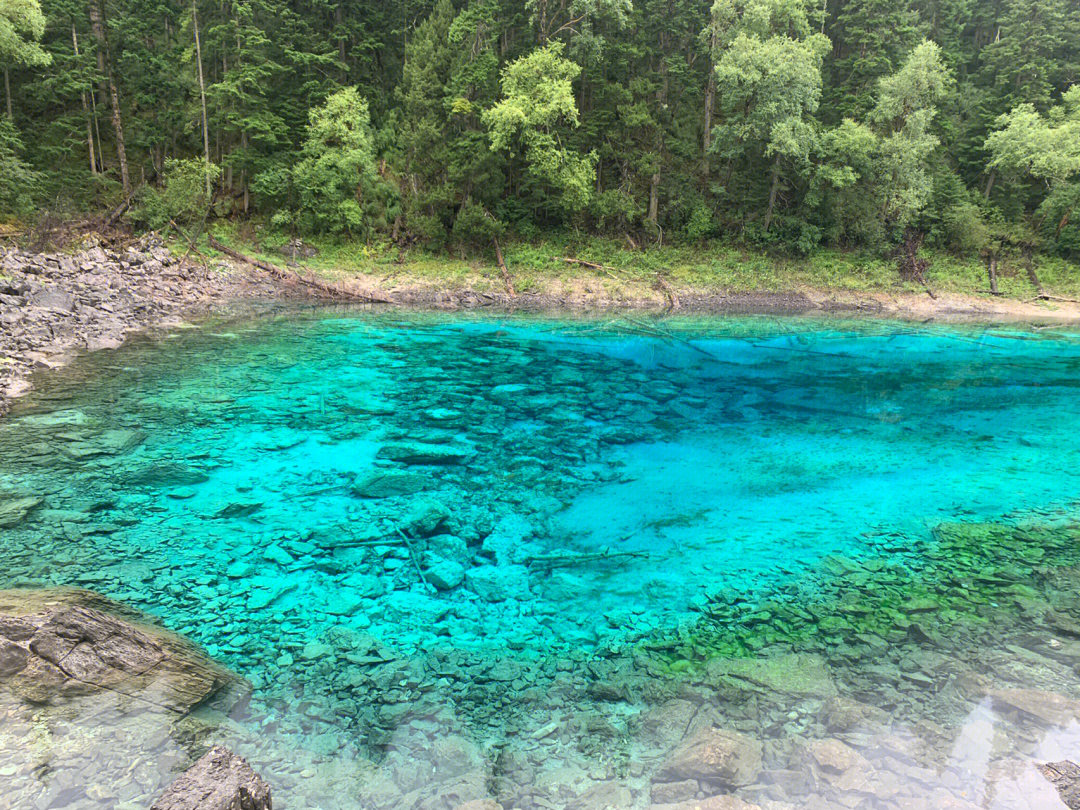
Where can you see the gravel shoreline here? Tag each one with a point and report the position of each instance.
(56, 305)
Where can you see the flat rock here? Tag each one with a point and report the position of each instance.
(797, 674)
(711, 803)
(219, 781)
(1065, 776)
(497, 583)
(714, 755)
(66, 642)
(1048, 707)
(388, 483)
(425, 453)
(14, 510)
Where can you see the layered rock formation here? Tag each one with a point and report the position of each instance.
(219, 781)
(67, 642)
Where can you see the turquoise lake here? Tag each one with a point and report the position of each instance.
(523, 560)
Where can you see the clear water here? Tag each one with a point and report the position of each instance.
(635, 528)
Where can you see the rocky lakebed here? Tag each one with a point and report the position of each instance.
(403, 560)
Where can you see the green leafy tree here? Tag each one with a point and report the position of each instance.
(336, 185)
(536, 111)
(17, 179)
(21, 26)
(768, 74)
(904, 116)
(182, 198)
(1046, 149)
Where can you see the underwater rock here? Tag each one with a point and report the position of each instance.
(425, 517)
(665, 725)
(480, 804)
(73, 643)
(841, 714)
(169, 473)
(108, 443)
(219, 781)
(716, 756)
(1047, 707)
(497, 583)
(1065, 776)
(444, 574)
(797, 674)
(14, 510)
(712, 803)
(506, 541)
(388, 483)
(425, 453)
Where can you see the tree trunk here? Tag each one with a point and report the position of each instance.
(243, 173)
(991, 271)
(772, 193)
(202, 98)
(7, 89)
(654, 198)
(989, 184)
(706, 136)
(85, 108)
(97, 26)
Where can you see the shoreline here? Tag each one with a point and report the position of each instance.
(54, 307)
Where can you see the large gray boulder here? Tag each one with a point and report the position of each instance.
(62, 643)
(219, 781)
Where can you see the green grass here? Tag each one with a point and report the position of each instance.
(540, 265)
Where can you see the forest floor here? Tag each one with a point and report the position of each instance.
(607, 275)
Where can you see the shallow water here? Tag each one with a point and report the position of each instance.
(596, 538)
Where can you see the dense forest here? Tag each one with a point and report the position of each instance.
(779, 123)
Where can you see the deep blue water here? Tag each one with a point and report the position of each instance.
(554, 493)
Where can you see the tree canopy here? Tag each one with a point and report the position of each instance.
(787, 124)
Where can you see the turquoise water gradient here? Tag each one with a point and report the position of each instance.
(208, 478)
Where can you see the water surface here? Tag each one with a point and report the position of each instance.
(463, 558)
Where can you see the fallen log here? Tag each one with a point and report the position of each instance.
(549, 561)
(293, 276)
(503, 268)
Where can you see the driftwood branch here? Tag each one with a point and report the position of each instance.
(661, 284)
(192, 248)
(550, 561)
(292, 276)
(503, 268)
(611, 271)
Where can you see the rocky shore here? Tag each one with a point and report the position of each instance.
(54, 305)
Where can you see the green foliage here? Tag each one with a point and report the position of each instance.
(17, 179)
(21, 26)
(182, 197)
(538, 108)
(335, 184)
(796, 125)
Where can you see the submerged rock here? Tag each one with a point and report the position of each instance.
(444, 574)
(711, 803)
(1065, 776)
(388, 483)
(425, 453)
(14, 510)
(497, 583)
(716, 756)
(1048, 707)
(69, 642)
(797, 674)
(219, 781)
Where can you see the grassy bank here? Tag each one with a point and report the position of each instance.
(541, 266)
